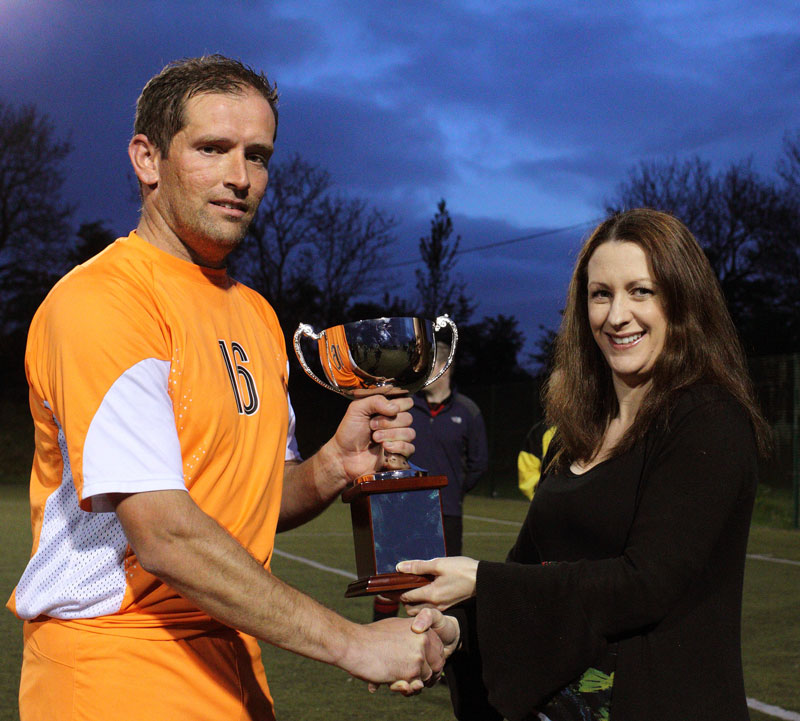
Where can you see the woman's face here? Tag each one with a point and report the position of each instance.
(625, 311)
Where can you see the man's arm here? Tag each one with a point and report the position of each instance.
(176, 541)
(370, 426)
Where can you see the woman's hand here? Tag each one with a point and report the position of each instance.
(454, 582)
(449, 632)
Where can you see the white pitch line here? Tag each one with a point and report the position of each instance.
(491, 534)
(493, 520)
(765, 708)
(320, 566)
(759, 557)
(775, 711)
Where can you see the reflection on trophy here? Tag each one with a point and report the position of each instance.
(396, 512)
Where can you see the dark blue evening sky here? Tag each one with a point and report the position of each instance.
(523, 115)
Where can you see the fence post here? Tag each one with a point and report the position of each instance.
(796, 438)
(492, 440)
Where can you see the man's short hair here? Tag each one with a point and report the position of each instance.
(160, 107)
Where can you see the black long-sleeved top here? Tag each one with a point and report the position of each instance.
(647, 550)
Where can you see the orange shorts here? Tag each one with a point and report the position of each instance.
(69, 674)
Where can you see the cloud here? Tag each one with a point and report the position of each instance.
(522, 115)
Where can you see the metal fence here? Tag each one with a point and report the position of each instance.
(777, 383)
(511, 409)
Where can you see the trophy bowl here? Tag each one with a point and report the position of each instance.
(397, 511)
(380, 355)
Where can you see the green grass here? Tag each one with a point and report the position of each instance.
(15, 541)
(16, 441)
(774, 507)
(307, 691)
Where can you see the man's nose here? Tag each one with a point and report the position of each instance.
(236, 172)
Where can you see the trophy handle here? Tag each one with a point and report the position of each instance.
(438, 324)
(307, 330)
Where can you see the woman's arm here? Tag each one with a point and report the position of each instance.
(540, 626)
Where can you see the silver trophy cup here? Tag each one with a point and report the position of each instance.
(396, 512)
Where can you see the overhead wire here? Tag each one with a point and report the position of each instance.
(499, 243)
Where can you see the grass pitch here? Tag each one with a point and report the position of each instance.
(308, 691)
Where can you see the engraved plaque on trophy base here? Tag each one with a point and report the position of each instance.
(394, 519)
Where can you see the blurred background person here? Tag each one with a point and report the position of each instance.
(529, 460)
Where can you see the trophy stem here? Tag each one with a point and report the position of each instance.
(395, 462)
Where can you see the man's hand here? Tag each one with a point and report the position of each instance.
(187, 549)
(449, 633)
(388, 652)
(371, 426)
(454, 582)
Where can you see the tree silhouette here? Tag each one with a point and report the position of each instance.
(34, 228)
(749, 227)
(34, 219)
(311, 252)
(92, 238)
(438, 289)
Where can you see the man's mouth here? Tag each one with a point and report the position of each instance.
(231, 205)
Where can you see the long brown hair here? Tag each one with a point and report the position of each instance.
(701, 343)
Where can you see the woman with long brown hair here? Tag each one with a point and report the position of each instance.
(621, 598)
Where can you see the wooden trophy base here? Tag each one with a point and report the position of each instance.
(385, 584)
(394, 519)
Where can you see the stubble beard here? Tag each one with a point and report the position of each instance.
(226, 234)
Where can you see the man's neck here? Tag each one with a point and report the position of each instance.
(437, 395)
(153, 229)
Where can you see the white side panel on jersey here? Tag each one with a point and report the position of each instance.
(292, 451)
(131, 446)
(77, 569)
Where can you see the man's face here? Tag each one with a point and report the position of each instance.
(215, 175)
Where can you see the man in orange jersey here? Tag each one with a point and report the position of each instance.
(165, 458)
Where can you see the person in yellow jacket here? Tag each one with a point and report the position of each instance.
(529, 460)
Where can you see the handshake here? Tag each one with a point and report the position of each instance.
(413, 650)
(410, 661)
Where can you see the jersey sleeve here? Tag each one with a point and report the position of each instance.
(98, 366)
(132, 445)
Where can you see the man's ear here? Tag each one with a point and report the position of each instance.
(145, 159)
